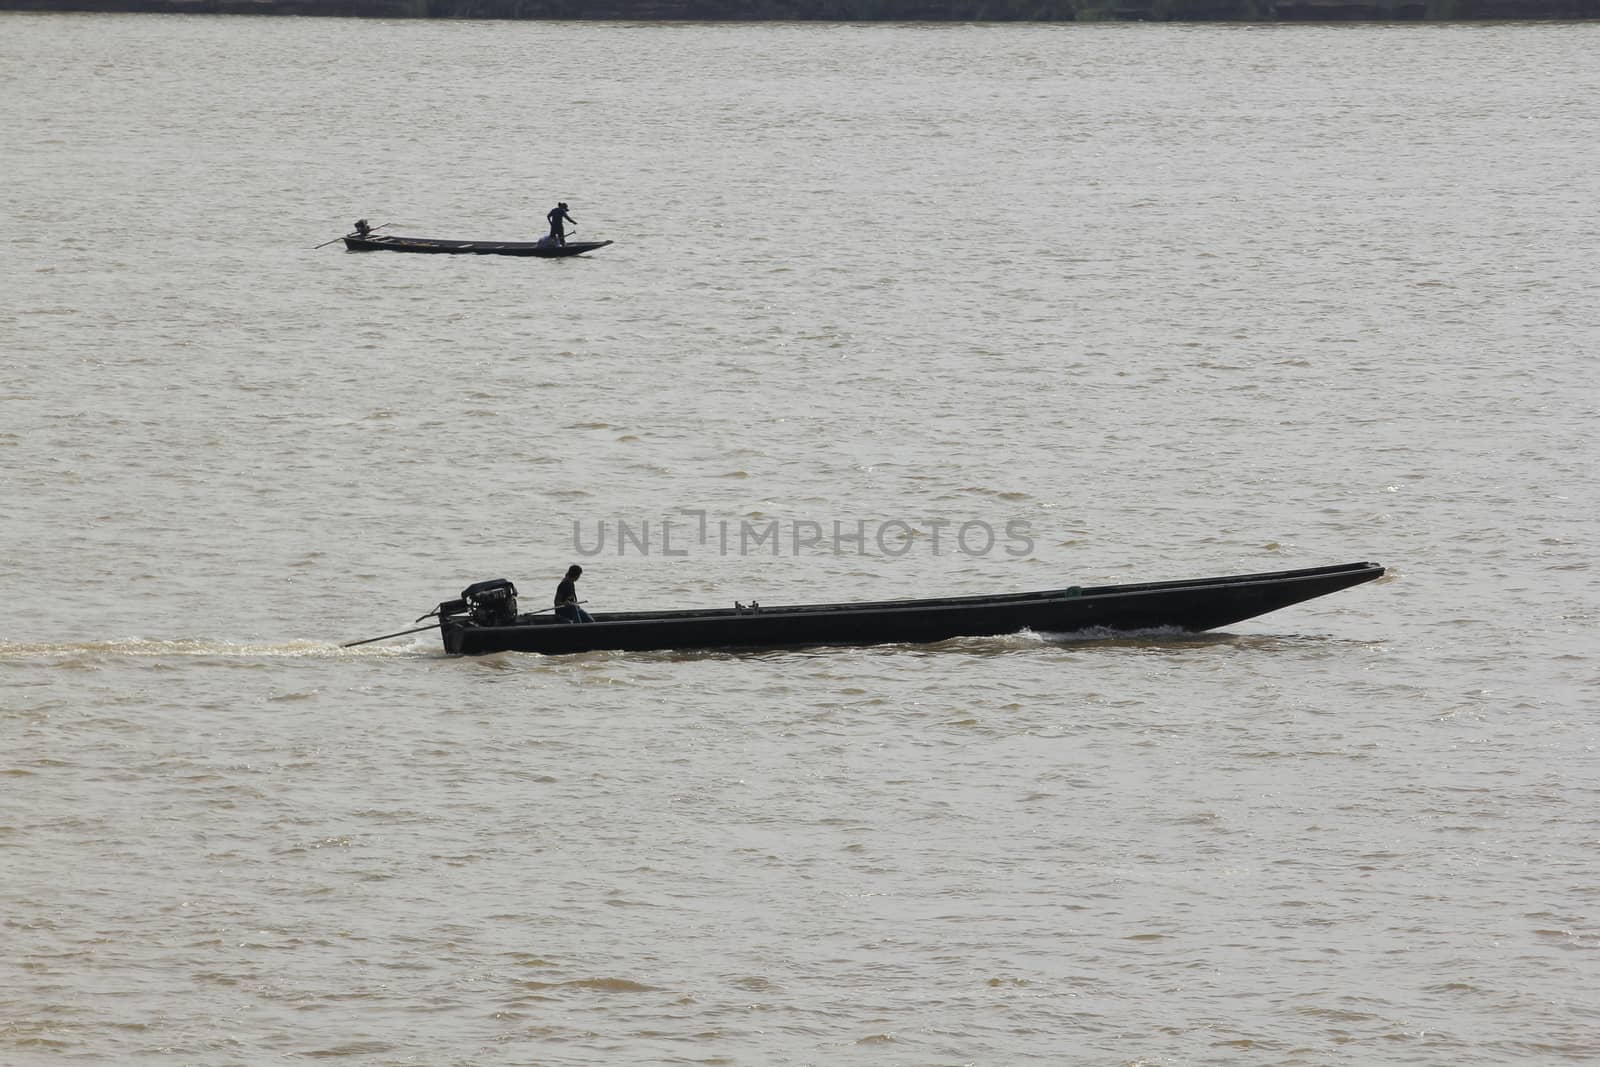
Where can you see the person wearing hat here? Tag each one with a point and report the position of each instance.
(567, 609)
(558, 216)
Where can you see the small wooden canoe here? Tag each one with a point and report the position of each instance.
(541, 249)
(485, 618)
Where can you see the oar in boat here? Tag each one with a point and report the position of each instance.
(552, 607)
(325, 244)
(432, 626)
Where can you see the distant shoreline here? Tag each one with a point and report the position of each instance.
(1275, 11)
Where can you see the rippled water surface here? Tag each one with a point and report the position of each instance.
(1181, 301)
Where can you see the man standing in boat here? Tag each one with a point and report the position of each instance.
(567, 609)
(558, 218)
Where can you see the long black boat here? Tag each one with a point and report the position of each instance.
(541, 249)
(485, 619)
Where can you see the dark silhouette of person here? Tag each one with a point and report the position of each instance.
(558, 218)
(567, 609)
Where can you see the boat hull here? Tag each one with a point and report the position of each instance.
(431, 246)
(1187, 606)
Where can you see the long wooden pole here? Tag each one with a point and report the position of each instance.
(325, 244)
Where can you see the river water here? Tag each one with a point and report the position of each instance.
(1166, 301)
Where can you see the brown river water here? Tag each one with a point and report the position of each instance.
(1162, 301)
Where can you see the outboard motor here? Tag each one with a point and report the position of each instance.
(491, 603)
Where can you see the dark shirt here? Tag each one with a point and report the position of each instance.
(566, 591)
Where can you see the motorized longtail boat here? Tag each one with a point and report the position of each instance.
(485, 618)
(366, 238)
(543, 249)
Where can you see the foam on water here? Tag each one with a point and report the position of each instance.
(140, 647)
